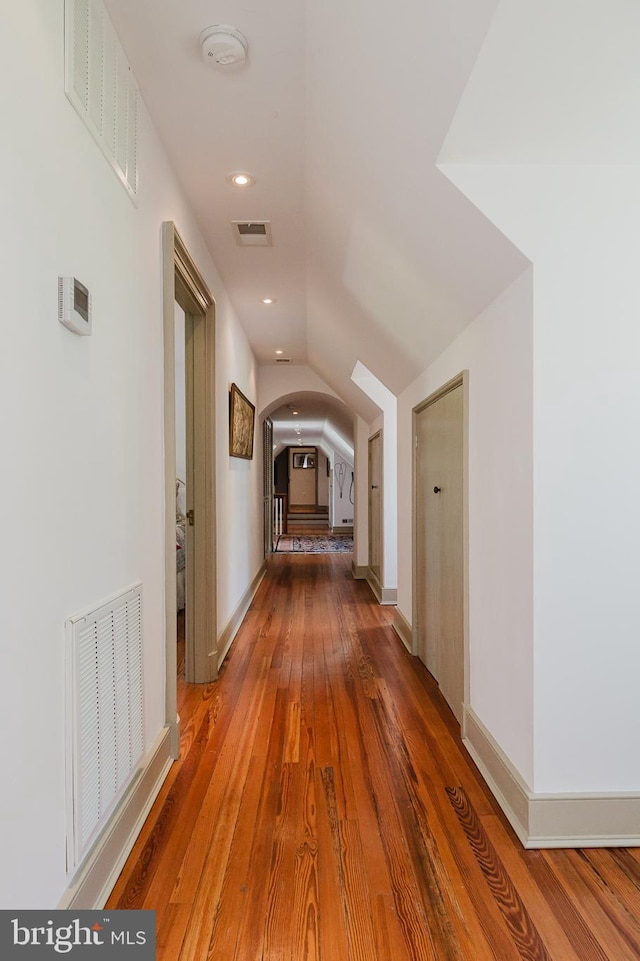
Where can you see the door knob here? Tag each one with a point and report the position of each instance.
(436, 490)
(374, 487)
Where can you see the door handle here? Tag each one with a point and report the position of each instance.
(374, 487)
(436, 490)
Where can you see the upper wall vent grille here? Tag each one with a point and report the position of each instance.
(100, 85)
(283, 360)
(252, 233)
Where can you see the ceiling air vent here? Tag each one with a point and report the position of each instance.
(252, 233)
(283, 360)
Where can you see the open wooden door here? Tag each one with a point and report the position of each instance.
(183, 284)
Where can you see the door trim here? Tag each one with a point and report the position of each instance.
(383, 595)
(460, 380)
(267, 484)
(182, 282)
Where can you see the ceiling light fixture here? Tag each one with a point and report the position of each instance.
(295, 413)
(268, 300)
(240, 178)
(279, 352)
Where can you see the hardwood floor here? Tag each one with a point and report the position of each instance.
(324, 810)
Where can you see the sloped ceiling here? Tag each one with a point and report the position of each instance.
(526, 102)
(339, 113)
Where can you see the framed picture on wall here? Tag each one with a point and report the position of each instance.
(302, 459)
(241, 420)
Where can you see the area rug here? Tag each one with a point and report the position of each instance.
(314, 544)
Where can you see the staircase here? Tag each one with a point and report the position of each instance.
(304, 517)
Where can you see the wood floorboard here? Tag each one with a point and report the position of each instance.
(324, 809)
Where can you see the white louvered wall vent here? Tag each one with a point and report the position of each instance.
(100, 85)
(105, 715)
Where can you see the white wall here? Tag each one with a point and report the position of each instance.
(239, 482)
(275, 382)
(496, 349)
(343, 499)
(564, 186)
(323, 480)
(82, 426)
(580, 226)
(387, 422)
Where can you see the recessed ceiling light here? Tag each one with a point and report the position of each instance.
(268, 300)
(240, 178)
(279, 352)
(294, 412)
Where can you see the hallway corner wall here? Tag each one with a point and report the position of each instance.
(546, 144)
(496, 349)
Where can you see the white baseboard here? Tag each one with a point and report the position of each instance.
(403, 629)
(383, 595)
(95, 879)
(551, 820)
(359, 573)
(226, 638)
(508, 788)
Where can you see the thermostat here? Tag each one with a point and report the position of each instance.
(74, 305)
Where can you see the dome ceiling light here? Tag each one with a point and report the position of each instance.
(223, 45)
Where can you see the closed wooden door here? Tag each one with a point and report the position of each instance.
(375, 505)
(303, 482)
(200, 653)
(439, 544)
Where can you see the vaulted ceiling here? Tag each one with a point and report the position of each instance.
(339, 113)
(310, 419)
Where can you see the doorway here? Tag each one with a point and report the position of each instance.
(183, 285)
(267, 484)
(303, 478)
(180, 338)
(440, 540)
(375, 510)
